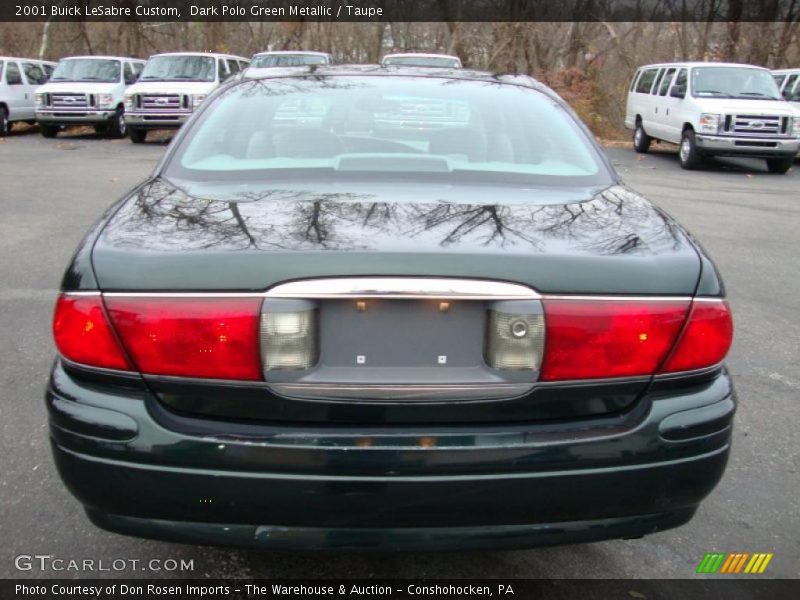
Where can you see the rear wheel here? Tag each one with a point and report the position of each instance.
(641, 141)
(780, 165)
(688, 153)
(118, 128)
(138, 136)
(49, 131)
(5, 124)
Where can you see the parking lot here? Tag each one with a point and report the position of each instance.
(51, 191)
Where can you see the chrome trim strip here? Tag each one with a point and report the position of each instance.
(184, 294)
(617, 298)
(88, 293)
(403, 287)
(400, 392)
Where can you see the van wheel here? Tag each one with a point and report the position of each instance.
(641, 141)
(49, 131)
(5, 124)
(780, 165)
(138, 136)
(118, 128)
(688, 153)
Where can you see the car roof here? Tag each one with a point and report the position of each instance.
(214, 54)
(396, 71)
(311, 52)
(37, 60)
(106, 57)
(702, 64)
(419, 55)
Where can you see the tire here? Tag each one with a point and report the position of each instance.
(49, 131)
(780, 165)
(118, 128)
(688, 154)
(137, 135)
(641, 141)
(5, 124)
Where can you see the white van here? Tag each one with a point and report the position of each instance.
(87, 90)
(713, 109)
(172, 85)
(19, 78)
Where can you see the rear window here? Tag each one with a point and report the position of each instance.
(399, 125)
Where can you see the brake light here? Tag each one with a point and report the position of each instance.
(706, 338)
(83, 335)
(594, 339)
(214, 338)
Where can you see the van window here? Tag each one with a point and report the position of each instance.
(33, 73)
(137, 68)
(129, 76)
(680, 80)
(646, 81)
(222, 69)
(790, 80)
(48, 71)
(658, 81)
(633, 81)
(233, 66)
(750, 83)
(13, 76)
(779, 78)
(662, 91)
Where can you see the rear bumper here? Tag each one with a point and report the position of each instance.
(392, 539)
(156, 120)
(743, 146)
(304, 489)
(54, 117)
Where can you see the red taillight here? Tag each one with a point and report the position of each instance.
(83, 335)
(706, 338)
(214, 338)
(594, 339)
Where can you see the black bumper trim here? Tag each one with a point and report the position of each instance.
(392, 539)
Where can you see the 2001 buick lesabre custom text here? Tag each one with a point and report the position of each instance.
(389, 307)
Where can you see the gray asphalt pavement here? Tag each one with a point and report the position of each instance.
(51, 191)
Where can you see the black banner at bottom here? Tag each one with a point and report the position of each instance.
(404, 589)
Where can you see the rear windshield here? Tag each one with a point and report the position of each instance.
(734, 82)
(179, 68)
(409, 127)
(87, 69)
(287, 60)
